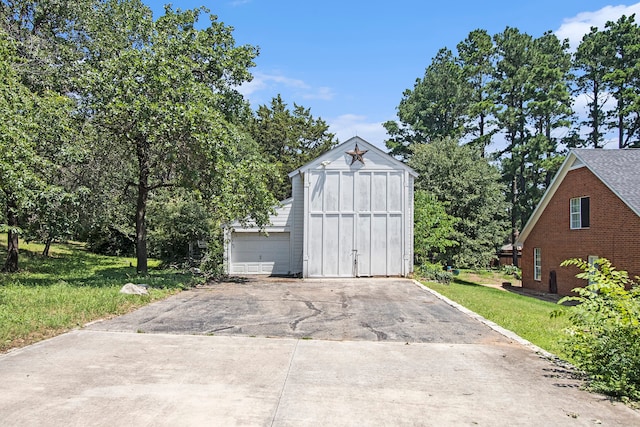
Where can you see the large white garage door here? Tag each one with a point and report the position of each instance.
(355, 223)
(252, 253)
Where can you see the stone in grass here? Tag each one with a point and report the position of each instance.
(132, 289)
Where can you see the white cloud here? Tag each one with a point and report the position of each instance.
(263, 81)
(575, 27)
(324, 93)
(349, 125)
(580, 103)
(288, 87)
(236, 3)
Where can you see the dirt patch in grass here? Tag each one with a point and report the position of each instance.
(502, 281)
(493, 279)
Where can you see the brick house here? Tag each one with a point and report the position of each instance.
(591, 210)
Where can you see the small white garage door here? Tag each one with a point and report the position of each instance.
(253, 253)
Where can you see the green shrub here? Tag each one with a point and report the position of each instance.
(604, 339)
(512, 270)
(176, 222)
(434, 272)
(433, 228)
(212, 264)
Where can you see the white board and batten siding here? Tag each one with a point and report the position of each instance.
(356, 218)
(343, 220)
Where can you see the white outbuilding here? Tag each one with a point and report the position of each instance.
(351, 215)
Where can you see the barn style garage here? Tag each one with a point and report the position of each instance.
(351, 215)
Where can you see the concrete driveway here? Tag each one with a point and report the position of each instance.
(295, 353)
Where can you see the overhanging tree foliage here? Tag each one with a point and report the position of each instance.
(590, 64)
(158, 89)
(476, 55)
(510, 87)
(623, 78)
(48, 36)
(289, 139)
(17, 148)
(33, 127)
(435, 108)
(44, 37)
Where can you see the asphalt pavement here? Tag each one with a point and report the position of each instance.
(296, 353)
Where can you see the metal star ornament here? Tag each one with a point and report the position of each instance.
(357, 155)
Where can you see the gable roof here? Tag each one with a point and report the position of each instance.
(619, 170)
(339, 151)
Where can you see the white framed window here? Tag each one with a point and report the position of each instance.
(580, 212)
(537, 264)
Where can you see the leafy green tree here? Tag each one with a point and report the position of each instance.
(549, 109)
(54, 209)
(44, 37)
(433, 229)
(159, 90)
(469, 187)
(435, 108)
(24, 136)
(177, 221)
(513, 72)
(550, 106)
(590, 63)
(476, 55)
(623, 79)
(531, 83)
(289, 139)
(53, 216)
(607, 65)
(512, 76)
(106, 222)
(48, 39)
(17, 148)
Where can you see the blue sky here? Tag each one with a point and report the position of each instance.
(350, 61)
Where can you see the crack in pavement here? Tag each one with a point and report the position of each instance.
(224, 328)
(310, 306)
(381, 336)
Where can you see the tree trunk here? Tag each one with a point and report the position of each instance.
(11, 263)
(595, 116)
(483, 145)
(47, 246)
(141, 209)
(620, 121)
(514, 226)
(141, 231)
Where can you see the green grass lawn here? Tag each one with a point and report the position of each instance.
(71, 287)
(528, 317)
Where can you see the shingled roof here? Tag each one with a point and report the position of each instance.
(617, 169)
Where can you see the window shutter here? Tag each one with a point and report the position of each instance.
(584, 211)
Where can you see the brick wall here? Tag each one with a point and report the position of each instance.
(614, 233)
